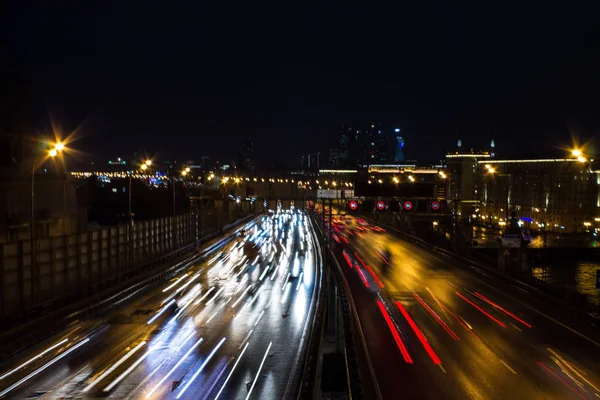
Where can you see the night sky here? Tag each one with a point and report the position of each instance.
(196, 80)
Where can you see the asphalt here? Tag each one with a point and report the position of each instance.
(480, 338)
(217, 329)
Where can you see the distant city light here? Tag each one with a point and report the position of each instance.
(397, 130)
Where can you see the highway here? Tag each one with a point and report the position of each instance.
(229, 326)
(435, 330)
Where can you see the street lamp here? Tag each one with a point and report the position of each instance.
(576, 153)
(184, 172)
(148, 163)
(57, 148)
(144, 167)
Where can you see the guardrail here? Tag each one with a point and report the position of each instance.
(25, 335)
(356, 352)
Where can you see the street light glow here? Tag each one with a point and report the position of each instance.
(53, 153)
(491, 170)
(187, 169)
(184, 173)
(576, 153)
(144, 166)
(59, 147)
(581, 159)
(148, 162)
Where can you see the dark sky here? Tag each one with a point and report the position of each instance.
(196, 80)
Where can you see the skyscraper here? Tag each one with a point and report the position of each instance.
(399, 153)
(246, 157)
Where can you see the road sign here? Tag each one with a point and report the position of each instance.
(380, 205)
(353, 205)
(334, 194)
(435, 205)
(598, 279)
(408, 205)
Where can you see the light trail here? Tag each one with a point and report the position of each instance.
(501, 309)
(395, 334)
(164, 378)
(171, 286)
(482, 310)
(114, 366)
(299, 280)
(204, 296)
(212, 353)
(128, 371)
(232, 370)
(241, 296)
(42, 368)
(436, 317)
(259, 369)
(162, 310)
(259, 317)
(420, 336)
(32, 359)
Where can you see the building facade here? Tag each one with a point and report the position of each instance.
(552, 194)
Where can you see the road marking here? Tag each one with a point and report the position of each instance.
(507, 366)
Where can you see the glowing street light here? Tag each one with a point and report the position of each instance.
(53, 153)
(184, 172)
(581, 159)
(187, 169)
(576, 153)
(395, 180)
(148, 163)
(491, 170)
(59, 147)
(144, 167)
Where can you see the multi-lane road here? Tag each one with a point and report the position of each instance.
(230, 325)
(436, 330)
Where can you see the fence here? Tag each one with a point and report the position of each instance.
(71, 267)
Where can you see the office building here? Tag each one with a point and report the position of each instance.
(553, 194)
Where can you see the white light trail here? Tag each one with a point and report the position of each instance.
(185, 341)
(232, 369)
(299, 281)
(127, 371)
(43, 367)
(212, 353)
(211, 317)
(171, 286)
(115, 366)
(259, 317)
(204, 296)
(286, 281)
(192, 279)
(215, 258)
(259, 369)
(241, 296)
(216, 295)
(264, 273)
(32, 359)
(286, 293)
(164, 378)
(162, 310)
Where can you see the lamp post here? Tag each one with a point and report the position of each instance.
(52, 152)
